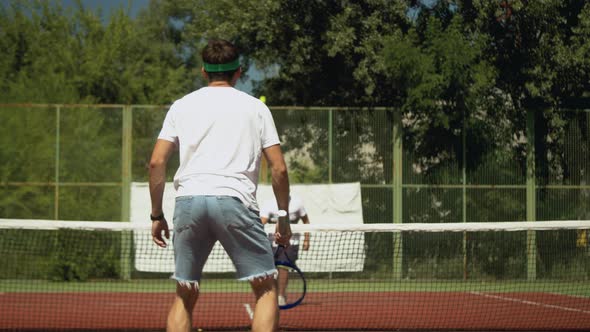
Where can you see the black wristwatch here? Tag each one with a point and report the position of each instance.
(160, 217)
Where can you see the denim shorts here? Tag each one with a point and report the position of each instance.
(200, 221)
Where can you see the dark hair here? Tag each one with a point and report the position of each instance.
(219, 51)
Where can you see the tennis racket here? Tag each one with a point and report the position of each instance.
(291, 278)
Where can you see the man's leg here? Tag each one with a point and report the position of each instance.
(266, 312)
(242, 235)
(283, 280)
(180, 316)
(291, 254)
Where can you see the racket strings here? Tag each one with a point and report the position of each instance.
(291, 279)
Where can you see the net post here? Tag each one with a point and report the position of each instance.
(531, 196)
(330, 142)
(397, 194)
(330, 154)
(57, 153)
(464, 193)
(126, 166)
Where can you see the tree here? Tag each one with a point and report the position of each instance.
(56, 55)
(442, 80)
(537, 48)
(324, 53)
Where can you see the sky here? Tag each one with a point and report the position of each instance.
(109, 5)
(106, 5)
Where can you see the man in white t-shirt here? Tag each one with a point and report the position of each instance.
(269, 213)
(221, 134)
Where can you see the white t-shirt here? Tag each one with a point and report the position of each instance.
(220, 132)
(270, 210)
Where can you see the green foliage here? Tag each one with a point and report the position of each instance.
(87, 149)
(40, 54)
(326, 52)
(444, 84)
(56, 55)
(72, 261)
(64, 255)
(303, 133)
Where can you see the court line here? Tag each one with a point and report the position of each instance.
(249, 310)
(570, 295)
(539, 304)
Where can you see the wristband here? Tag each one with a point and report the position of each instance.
(282, 213)
(160, 217)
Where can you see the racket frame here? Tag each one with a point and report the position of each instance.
(294, 267)
(290, 265)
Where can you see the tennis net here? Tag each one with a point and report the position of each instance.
(101, 276)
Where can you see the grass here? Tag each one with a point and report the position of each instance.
(581, 288)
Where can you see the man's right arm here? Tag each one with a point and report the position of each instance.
(280, 187)
(157, 178)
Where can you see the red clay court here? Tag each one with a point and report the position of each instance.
(345, 311)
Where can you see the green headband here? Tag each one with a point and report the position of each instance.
(219, 67)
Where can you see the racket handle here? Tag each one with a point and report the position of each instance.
(284, 227)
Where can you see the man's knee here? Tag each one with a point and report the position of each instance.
(188, 292)
(262, 286)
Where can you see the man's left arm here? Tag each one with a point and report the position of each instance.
(160, 156)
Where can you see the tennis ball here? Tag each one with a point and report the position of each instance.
(263, 99)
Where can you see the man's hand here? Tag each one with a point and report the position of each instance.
(283, 232)
(157, 227)
(283, 239)
(306, 243)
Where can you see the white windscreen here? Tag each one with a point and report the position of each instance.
(326, 204)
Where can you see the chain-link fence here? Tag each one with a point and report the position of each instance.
(76, 162)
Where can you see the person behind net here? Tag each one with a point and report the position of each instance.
(220, 133)
(269, 213)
